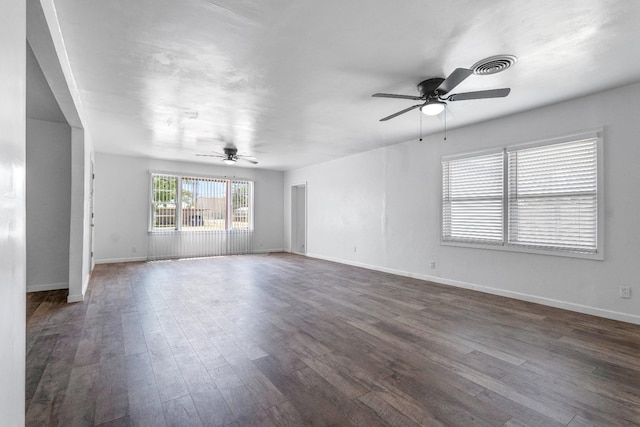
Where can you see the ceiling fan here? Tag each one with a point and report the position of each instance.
(231, 156)
(433, 94)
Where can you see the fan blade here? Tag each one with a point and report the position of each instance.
(255, 162)
(481, 94)
(212, 155)
(454, 79)
(400, 112)
(391, 95)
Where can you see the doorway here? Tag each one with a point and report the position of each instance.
(91, 208)
(299, 219)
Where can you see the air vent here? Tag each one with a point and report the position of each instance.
(493, 64)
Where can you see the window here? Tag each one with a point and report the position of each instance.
(240, 206)
(164, 202)
(538, 198)
(200, 204)
(472, 198)
(553, 198)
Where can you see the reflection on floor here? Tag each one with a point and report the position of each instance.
(272, 340)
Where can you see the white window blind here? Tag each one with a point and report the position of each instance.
(241, 195)
(204, 204)
(552, 196)
(199, 216)
(473, 199)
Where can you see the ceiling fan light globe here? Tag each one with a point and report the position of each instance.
(432, 109)
(229, 161)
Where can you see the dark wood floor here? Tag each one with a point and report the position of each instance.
(282, 340)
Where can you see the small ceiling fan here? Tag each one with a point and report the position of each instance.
(433, 94)
(231, 156)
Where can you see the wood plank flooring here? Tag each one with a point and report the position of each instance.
(283, 340)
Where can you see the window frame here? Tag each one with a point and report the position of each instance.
(464, 242)
(598, 135)
(178, 216)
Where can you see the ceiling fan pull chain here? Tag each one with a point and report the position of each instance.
(420, 127)
(445, 123)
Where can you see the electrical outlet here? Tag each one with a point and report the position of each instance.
(432, 264)
(625, 292)
(355, 249)
(134, 249)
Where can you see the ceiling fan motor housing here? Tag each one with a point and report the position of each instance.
(428, 87)
(231, 154)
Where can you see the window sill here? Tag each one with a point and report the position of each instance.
(598, 256)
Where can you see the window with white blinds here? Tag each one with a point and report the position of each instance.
(183, 203)
(540, 198)
(553, 196)
(472, 199)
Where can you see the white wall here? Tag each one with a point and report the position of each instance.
(48, 204)
(45, 38)
(80, 230)
(12, 211)
(298, 219)
(386, 204)
(122, 204)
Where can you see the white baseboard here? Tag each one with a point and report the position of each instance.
(80, 297)
(566, 305)
(75, 298)
(138, 259)
(267, 251)
(116, 260)
(47, 287)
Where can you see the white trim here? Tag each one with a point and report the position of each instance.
(47, 287)
(85, 285)
(510, 247)
(75, 298)
(479, 153)
(80, 297)
(117, 260)
(266, 251)
(565, 305)
(597, 133)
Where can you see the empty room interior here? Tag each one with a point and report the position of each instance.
(291, 213)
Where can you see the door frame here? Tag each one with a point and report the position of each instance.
(295, 215)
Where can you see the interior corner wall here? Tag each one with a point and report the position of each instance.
(48, 205)
(381, 210)
(12, 211)
(122, 204)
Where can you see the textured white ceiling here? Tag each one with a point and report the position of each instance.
(291, 81)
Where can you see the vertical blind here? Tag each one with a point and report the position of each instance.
(196, 216)
(552, 193)
(472, 199)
